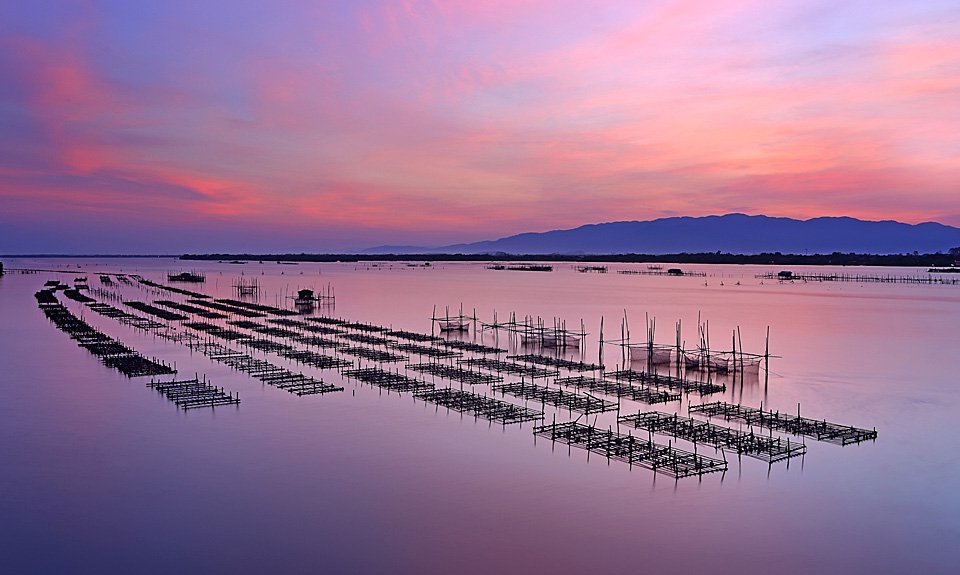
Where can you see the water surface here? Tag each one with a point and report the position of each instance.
(102, 475)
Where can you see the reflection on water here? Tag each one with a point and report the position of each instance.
(101, 474)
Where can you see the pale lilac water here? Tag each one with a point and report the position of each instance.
(100, 474)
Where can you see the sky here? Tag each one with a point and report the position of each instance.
(227, 125)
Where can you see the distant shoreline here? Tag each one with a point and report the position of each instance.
(836, 259)
(893, 260)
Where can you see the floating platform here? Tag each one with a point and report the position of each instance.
(569, 400)
(766, 448)
(816, 429)
(632, 450)
(620, 389)
(479, 405)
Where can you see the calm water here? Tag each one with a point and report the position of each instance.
(101, 475)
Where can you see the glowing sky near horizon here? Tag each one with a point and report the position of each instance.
(253, 126)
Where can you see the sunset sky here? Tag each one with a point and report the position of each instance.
(163, 127)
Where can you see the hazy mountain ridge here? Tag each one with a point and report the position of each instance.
(733, 233)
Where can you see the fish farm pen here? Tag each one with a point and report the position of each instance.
(632, 450)
(281, 348)
(767, 448)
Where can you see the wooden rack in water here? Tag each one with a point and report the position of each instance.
(263, 370)
(585, 403)
(632, 450)
(620, 389)
(816, 429)
(767, 448)
(885, 279)
(425, 350)
(668, 381)
(454, 373)
(471, 347)
(556, 362)
(389, 380)
(501, 366)
(479, 405)
(111, 352)
(373, 354)
(194, 393)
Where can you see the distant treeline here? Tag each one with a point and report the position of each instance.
(777, 258)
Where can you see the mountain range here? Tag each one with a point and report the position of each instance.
(730, 233)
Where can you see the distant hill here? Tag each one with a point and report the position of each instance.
(732, 233)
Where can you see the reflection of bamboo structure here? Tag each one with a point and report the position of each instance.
(535, 331)
(452, 323)
(245, 287)
(701, 358)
